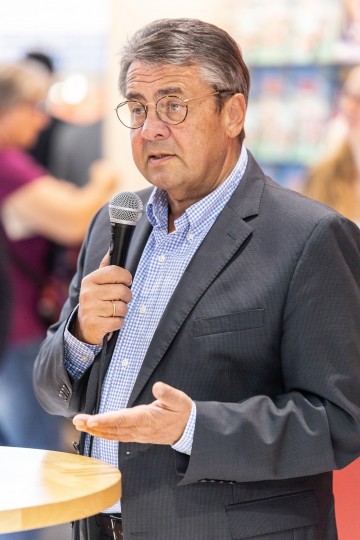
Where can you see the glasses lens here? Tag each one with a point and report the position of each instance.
(131, 113)
(171, 109)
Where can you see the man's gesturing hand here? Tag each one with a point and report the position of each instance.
(161, 422)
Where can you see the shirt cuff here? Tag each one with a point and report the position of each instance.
(78, 356)
(184, 444)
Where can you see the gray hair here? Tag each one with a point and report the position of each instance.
(22, 81)
(190, 42)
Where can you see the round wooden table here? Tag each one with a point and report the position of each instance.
(39, 488)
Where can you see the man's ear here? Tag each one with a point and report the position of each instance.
(235, 111)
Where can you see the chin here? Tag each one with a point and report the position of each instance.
(157, 180)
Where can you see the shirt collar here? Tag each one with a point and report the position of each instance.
(157, 206)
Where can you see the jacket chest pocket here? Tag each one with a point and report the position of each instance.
(231, 322)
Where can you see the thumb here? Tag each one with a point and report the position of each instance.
(105, 261)
(170, 397)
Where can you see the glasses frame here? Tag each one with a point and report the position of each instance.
(155, 103)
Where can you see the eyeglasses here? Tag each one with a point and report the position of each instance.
(171, 110)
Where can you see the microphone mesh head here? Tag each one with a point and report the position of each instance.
(125, 207)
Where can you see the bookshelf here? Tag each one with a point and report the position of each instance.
(298, 52)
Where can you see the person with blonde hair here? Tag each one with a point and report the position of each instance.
(35, 210)
(335, 180)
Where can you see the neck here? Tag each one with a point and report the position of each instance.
(179, 202)
(177, 209)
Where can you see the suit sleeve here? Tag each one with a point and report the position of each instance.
(53, 387)
(314, 425)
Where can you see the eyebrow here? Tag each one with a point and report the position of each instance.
(160, 93)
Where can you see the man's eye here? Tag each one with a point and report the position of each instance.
(136, 110)
(174, 106)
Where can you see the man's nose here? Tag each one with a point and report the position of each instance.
(153, 126)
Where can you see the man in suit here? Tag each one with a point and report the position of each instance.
(231, 386)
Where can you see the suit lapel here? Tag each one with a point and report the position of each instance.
(137, 246)
(224, 239)
(140, 237)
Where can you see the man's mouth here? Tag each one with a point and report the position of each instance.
(158, 157)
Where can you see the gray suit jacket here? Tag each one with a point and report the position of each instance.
(263, 333)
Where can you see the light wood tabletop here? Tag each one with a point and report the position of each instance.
(39, 488)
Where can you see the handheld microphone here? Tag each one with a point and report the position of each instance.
(125, 210)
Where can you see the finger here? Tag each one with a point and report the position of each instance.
(109, 275)
(111, 309)
(80, 421)
(106, 260)
(108, 420)
(170, 398)
(115, 292)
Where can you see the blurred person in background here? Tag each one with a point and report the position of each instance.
(5, 298)
(35, 209)
(335, 180)
(41, 149)
(66, 148)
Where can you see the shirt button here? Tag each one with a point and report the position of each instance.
(190, 237)
(143, 310)
(125, 362)
(161, 258)
(84, 358)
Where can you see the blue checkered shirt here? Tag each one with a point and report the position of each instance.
(161, 266)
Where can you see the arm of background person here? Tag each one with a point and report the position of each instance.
(58, 209)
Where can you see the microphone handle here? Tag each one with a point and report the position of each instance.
(121, 235)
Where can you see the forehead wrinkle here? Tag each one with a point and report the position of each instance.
(160, 79)
(172, 90)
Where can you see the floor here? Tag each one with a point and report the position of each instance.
(60, 532)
